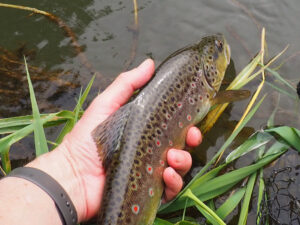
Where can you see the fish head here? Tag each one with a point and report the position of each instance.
(215, 58)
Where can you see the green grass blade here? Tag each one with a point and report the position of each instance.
(10, 139)
(206, 177)
(261, 189)
(40, 141)
(207, 212)
(289, 134)
(185, 223)
(70, 124)
(159, 221)
(13, 124)
(282, 91)
(245, 206)
(6, 165)
(254, 142)
(279, 77)
(229, 205)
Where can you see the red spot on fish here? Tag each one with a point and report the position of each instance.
(164, 126)
(189, 117)
(200, 98)
(180, 124)
(179, 105)
(149, 150)
(149, 169)
(134, 187)
(191, 101)
(151, 192)
(193, 85)
(135, 209)
(161, 162)
(170, 143)
(168, 116)
(158, 143)
(138, 175)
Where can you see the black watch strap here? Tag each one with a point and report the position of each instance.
(62, 201)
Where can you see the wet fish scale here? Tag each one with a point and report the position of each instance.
(134, 141)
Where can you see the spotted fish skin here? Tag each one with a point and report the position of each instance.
(133, 142)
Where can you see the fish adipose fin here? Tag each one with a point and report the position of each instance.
(108, 134)
(230, 96)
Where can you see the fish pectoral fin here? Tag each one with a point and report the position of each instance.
(230, 96)
(108, 134)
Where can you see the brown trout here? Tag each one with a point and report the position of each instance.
(133, 142)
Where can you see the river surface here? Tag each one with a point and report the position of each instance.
(105, 31)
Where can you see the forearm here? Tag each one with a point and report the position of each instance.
(24, 202)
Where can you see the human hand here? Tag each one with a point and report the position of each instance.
(81, 151)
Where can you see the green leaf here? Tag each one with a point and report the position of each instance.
(229, 205)
(280, 78)
(261, 189)
(70, 124)
(205, 210)
(13, 124)
(245, 206)
(282, 91)
(159, 221)
(5, 161)
(289, 134)
(10, 139)
(40, 141)
(255, 141)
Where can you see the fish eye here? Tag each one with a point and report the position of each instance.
(219, 45)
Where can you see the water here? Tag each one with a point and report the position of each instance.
(103, 31)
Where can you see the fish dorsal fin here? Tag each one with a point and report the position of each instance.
(230, 96)
(108, 135)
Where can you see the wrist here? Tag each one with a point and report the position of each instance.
(60, 166)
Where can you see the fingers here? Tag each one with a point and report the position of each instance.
(119, 92)
(173, 182)
(193, 137)
(180, 163)
(179, 160)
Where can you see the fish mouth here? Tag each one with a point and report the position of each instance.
(227, 54)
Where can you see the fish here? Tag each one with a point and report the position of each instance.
(133, 142)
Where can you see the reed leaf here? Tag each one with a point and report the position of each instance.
(205, 210)
(245, 206)
(290, 135)
(254, 142)
(70, 123)
(229, 205)
(40, 140)
(13, 124)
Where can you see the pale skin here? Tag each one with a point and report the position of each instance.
(76, 166)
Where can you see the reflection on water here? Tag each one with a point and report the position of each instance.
(102, 30)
